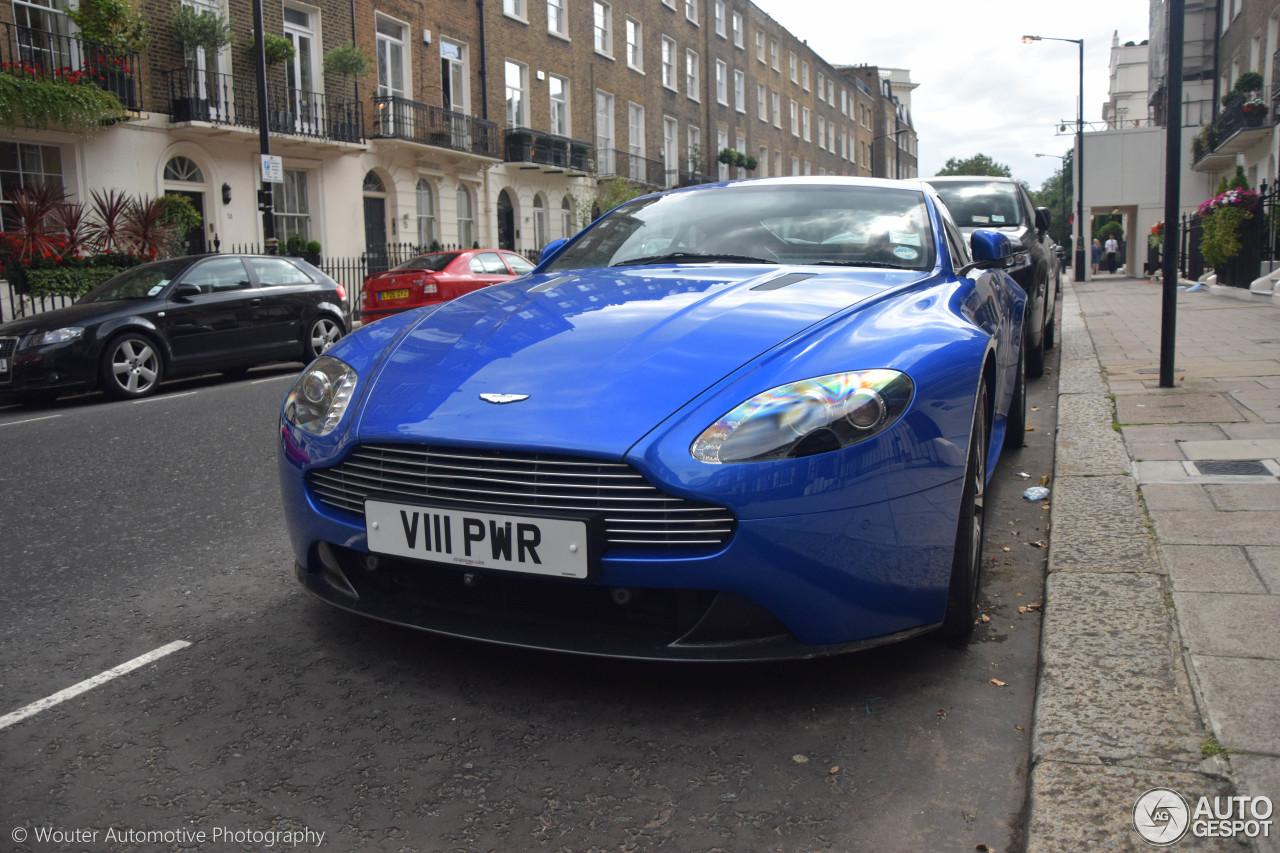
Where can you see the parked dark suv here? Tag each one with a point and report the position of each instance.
(1004, 204)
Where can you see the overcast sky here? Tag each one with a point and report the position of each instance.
(981, 90)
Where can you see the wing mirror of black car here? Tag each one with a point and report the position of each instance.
(186, 291)
(549, 250)
(991, 250)
(1043, 218)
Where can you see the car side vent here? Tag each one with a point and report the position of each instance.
(555, 282)
(784, 281)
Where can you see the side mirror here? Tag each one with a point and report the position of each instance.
(549, 251)
(184, 291)
(991, 249)
(1043, 219)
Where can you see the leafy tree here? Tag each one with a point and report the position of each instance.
(978, 164)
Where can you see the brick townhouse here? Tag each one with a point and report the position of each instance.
(482, 121)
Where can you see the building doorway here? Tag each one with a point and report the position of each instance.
(506, 222)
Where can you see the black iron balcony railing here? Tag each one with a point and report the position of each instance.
(197, 95)
(56, 56)
(547, 149)
(611, 163)
(401, 118)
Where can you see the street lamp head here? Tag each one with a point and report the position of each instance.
(1030, 39)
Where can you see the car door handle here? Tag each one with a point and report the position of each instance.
(255, 302)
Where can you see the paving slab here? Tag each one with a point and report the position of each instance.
(1085, 409)
(1237, 448)
(1212, 568)
(1180, 527)
(1232, 498)
(1264, 403)
(1099, 526)
(1266, 562)
(1090, 449)
(1080, 807)
(1230, 625)
(1116, 693)
(1177, 407)
(1172, 496)
(1240, 696)
(1259, 775)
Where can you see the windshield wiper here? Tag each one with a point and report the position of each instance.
(875, 264)
(693, 257)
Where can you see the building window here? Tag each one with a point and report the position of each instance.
(516, 76)
(635, 44)
(762, 161)
(722, 143)
(603, 27)
(453, 76)
(722, 83)
(773, 54)
(762, 103)
(293, 210)
(180, 169)
(804, 122)
(466, 219)
(795, 118)
(775, 101)
(718, 13)
(670, 150)
(822, 133)
(804, 76)
(426, 200)
(792, 63)
(25, 166)
(693, 149)
(760, 46)
(691, 10)
(739, 91)
(514, 8)
(635, 141)
(831, 92)
(559, 91)
(691, 73)
(557, 20)
(391, 58)
(539, 222)
(740, 145)
(604, 133)
(795, 165)
(669, 62)
(736, 20)
(566, 217)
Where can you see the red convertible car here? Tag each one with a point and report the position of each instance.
(436, 277)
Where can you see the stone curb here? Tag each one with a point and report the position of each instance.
(1116, 713)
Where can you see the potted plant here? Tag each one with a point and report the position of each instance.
(112, 30)
(1255, 112)
(202, 30)
(350, 63)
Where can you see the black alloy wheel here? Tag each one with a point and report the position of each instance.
(131, 367)
(966, 567)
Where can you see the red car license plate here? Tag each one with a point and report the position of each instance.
(402, 293)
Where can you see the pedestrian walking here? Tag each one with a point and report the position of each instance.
(1111, 248)
(1097, 254)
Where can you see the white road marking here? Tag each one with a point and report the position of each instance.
(30, 420)
(89, 683)
(274, 378)
(165, 397)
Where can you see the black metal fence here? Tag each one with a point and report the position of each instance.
(57, 56)
(1259, 244)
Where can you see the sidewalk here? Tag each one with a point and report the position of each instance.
(1161, 639)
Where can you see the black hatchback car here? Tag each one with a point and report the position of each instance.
(1005, 205)
(173, 317)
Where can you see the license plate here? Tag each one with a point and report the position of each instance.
(509, 543)
(403, 293)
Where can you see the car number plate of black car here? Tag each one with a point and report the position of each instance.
(403, 293)
(540, 546)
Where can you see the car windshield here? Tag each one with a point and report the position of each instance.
(138, 283)
(762, 222)
(431, 263)
(980, 204)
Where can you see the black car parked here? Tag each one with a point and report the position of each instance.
(1004, 204)
(168, 318)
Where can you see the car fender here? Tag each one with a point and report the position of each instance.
(116, 325)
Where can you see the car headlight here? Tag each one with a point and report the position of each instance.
(319, 398)
(807, 417)
(60, 336)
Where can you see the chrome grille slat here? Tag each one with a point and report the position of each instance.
(636, 513)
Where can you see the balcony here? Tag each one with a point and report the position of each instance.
(52, 55)
(222, 99)
(1237, 129)
(612, 163)
(400, 118)
(548, 152)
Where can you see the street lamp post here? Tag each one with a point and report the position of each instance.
(1080, 266)
(1062, 182)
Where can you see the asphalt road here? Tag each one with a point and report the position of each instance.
(128, 526)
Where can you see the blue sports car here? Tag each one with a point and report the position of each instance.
(740, 421)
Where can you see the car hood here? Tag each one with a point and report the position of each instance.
(603, 356)
(80, 314)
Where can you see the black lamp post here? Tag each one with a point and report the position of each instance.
(1080, 265)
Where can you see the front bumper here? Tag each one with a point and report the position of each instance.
(787, 587)
(55, 367)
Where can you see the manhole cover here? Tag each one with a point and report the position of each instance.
(1235, 467)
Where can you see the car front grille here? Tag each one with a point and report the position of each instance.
(636, 514)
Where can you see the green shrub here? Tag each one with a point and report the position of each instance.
(67, 280)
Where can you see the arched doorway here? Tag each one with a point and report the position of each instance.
(506, 222)
(183, 176)
(375, 222)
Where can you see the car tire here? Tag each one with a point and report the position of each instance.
(131, 367)
(966, 566)
(1016, 425)
(322, 333)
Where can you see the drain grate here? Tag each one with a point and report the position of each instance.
(1237, 467)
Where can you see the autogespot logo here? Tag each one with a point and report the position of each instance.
(1161, 816)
